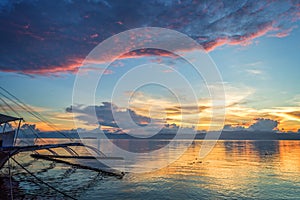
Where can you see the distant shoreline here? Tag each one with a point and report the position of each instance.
(225, 135)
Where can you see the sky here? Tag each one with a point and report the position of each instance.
(254, 44)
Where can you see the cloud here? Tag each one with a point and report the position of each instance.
(295, 100)
(295, 114)
(241, 115)
(190, 113)
(262, 124)
(239, 111)
(146, 125)
(50, 37)
(254, 71)
(105, 115)
(229, 127)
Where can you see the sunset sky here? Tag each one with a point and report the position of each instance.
(254, 44)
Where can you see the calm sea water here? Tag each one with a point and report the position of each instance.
(232, 170)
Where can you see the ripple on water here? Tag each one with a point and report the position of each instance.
(233, 170)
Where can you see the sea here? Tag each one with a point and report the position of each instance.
(233, 169)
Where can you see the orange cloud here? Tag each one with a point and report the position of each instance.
(243, 40)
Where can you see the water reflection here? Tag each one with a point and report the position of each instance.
(233, 169)
(244, 169)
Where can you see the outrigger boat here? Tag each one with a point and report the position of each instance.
(12, 144)
(8, 149)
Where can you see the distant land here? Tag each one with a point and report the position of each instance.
(225, 135)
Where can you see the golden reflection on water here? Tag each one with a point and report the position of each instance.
(289, 156)
(235, 166)
(230, 156)
(246, 169)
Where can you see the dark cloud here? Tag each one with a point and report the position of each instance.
(104, 114)
(48, 37)
(229, 127)
(106, 118)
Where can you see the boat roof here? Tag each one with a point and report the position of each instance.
(6, 118)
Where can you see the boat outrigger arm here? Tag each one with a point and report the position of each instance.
(8, 149)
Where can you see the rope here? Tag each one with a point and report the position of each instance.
(40, 180)
(19, 116)
(10, 180)
(9, 106)
(24, 107)
(31, 111)
(34, 133)
(28, 108)
(3, 108)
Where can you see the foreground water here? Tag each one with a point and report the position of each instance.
(232, 170)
